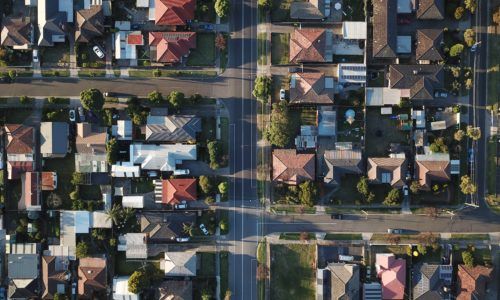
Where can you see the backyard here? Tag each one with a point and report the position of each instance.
(64, 167)
(204, 53)
(381, 130)
(293, 263)
(280, 48)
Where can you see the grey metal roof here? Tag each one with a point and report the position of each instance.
(23, 266)
(179, 128)
(54, 137)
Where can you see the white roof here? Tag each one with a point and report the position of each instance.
(133, 201)
(161, 157)
(100, 220)
(433, 157)
(124, 129)
(142, 3)
(386, 110)
(380, 96)
(151, 13)
(355, 73)
(136, 245)
(120, 289)
(403, 44)
(438, 125)
(179, 263)
(125, 169)
(354, 30)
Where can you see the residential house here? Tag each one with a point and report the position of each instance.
(344, 159)
(17, 33)
(311, 88)
(165, 227)
(52, 17)
(171, 47)
(391, 170)
(310, 45)
(54, 139)
(473, 282)
(134, 245)
(89, 24)
(125, 169)
(392, 274)
(309, 10)
(372, 291)
(126, 42)
(432, 168)
(382, 96)
(430, 10)
(176, 190)
(23, 273)
(174, 12)
(345, 281)
(123, 130)
(431, 281)
(429, 44)
(416, 82)
(161, 157)
(92, 277)
(174, 289)
(121, 291)
(291, 167)
(91, 148)
(33, 183)
(135, 201)
(384, 29)
(351, 73)
(20, 148)
(179, 264)
(173, 129)
(55, 277)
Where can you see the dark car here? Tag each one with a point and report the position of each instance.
(5, 79)
(337, 216)
(206, 27)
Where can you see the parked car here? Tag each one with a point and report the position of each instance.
(35, 56)
(182, 240)
(81, 114)
(152, 174)
(471, 155)
(336, 216)
(406, 191)
(135, 26)
(207, 27)
(98, 51)
(395, 231)
(181, 172)
(182, 205)
(204, 229)
(440, 94)
(72, 115)
(282, 94)
(5, 79)
(73, 288)
(109, 94)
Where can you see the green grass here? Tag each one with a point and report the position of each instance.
(19, 73)
(387, 128)
(261, 48)
(142, 185)
(59, 53)
(348, 194)
(55, 73)
(64, 167)
(14, 115)
(204, 53)
(293, 271)
(224, 134)
(294, 209)
(172, 73)
(280, 47)
(482, 256)
(90, 192)
(354, 10)
(491, 167)
(124, 266)
(207, 264)
(474, 237)
(295, 236)
(343, 236)
(92, 73)
(280, 11)
(224, 272)
(493, 69)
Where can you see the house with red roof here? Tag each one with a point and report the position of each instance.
(20, 148)
(176, 190)
(174, 12)
(33, 184)
(291, 167)
(310, 45)
(171, 47)
(92, 278)
(392, 274)
(473, 282)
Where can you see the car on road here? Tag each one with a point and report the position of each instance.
(440, 94)
(81, 114)
(336, 216)
(35, 56)
(471, 155)
(207, 27)
(72, 115)
(406, 191)
(282, 94)
(181, 172)
(5, 79)
(204, 229)
(98, 51)
(182, 239)
(394, 231)
(182, 205)
(109, 94)
(152, 174)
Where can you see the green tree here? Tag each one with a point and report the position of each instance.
(222, 7)
(459, 135)
(459, 12)
(188, 228)
(468, 259)
(209, 200)
(77, 178)
(456, 71)
(176, 99)
(362, 186)
(156, 73)
(114, 213)
(438, 146)
(155, 97)
(82, 250)
(12, 74)
(496, 16)
(224, 225)
(206, 295)
(214, 152)
(307, 193)
(415, 187)
(24, 99)
(223, 187)
(99, 234)
(205, 184)
(112, 151)
(467, 186)
(422, 249)
(370, 197)
(264, 3)
(92, 99)
(280, 131)
(471, 5)
(74, 195)
(474, 132)
(262, 88)
(138, 281)
(456, 50)
(468, 83)
(469, 37)
(392, 198)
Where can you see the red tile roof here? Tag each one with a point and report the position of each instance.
(171, 46)
(176, 190)
(135, 39)
(20, 139)
(16, 168)
(472, 282)
(92, 277)
(307, 45)
(392, 274)
(291, 167)
(174, 12)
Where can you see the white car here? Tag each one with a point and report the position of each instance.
(72, 115)
(98, 51)
(405, 190)
(282, 94)
(35, 55)
(204, 229)
(182, 239)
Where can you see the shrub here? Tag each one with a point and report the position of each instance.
(471, 5)
(222, 7)
(176, 99)
(469, 37)
(155, 97)
(209, 200)
(82, 250)
(467, 186)
(459, 12)
(92, 99)
(157, 73)
(456, 50)
(468, 258)
(392, 198)
(262, 88)
(24, 99)
(205, 184)
(474, 132)
(307, 193)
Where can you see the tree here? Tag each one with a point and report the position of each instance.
(114, 213)
(456, 50)
(469, 37)
(474, 132)
(468, 83)
(422, 249)
(392, 198)
(223, 187)
(393, 239)
(370, 197)
(82, 250)
(415, 187)
(98, 234)
(12, 74)
(264, 3)
(362, 186)
(431, 212)
(176, 99)
(262, 88)
(214, 152)
(220, 42)
(438, 146)
(228, 295)
(459, 135)
(455, 71)
(77, 178)
(459, 12)
(155, 97)
(209, 200)
(468, 258)
(206, 295)
(224, 225)
(92, 99)
(280, 131)
(111, 151)
(467, 186)
(307, 193)
(24, 99)
(222, 7)
(471, 5)
(138, 281)
(156, 73)
(496, 16)
(205, 185)
(188, 228)
(74, 195)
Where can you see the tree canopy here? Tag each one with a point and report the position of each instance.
(474, 132)
(467, 186)
(155, 97)
(92, 99)
(468, 258)
(438, 146)
(469, 37)
(307, 193)
(82, 250)
(223, 187)
(112, 151)
(205, 184)
(262, 88)
(456, 50)
(176, 99)
(222, 7)
(392, 198)
(280, 131)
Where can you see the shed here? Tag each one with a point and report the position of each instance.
(354, 30)
(386, 110)
(133, 201)
(438, 125)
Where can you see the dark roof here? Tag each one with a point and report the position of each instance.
(344, 281)
(384, 28)
(421, 80)
(16, 32)
(426, 281)
(51, 277)
(55, 20)
(92, 276)
(429, 44)
(379, 167)
(178, 129)
(311, 88)
(165, 227)
(20, 139)
(23, 289)
(291, 167)
(430, 9)
(89, 24)
(341, 162)
(22, 266)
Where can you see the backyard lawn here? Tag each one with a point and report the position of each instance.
(381, 131)
(64, 167)
(280, 46)
(293, 271)
(142, 185)
(204, 53)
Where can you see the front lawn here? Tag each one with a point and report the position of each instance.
(14, 115)
(348, 194)
(204, 53)
(343, 236)
(58, 55)
(381, 131)
(205, 11)
(91, 73)
(206, 263)
(493, 69)
(280, 47)
(491, 167)
(296, 236)
(293, 272)
(280, 11)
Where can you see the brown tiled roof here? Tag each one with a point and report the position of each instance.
(396, 167)
(174, 12)
(170, 47)
(51, 277)
(175, 290)
(308, 45)
(89, 24)
(20, 139)
(291, 167)
(15, 32)
(310, 88)
(178, 189)
(341, 162)
(421, 80)
(384, 28)
(92, 277)
(430, 9)
(16, 168)
(432, 171)
(429, 44)
(90, 138)
(472, 282)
